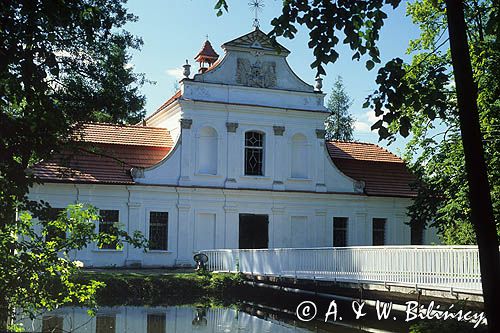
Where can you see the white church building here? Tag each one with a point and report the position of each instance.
(237, 158)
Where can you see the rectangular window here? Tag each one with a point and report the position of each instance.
(254, 154)
(157, 323)
(108, 224)
(158, 231)
(52, 324)
(417, 235)
(379, 231)
(52, 232)
(105, 324)
(340, 231)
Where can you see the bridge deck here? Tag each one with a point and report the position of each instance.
(441, 268)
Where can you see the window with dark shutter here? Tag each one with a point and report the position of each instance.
(157, 323)
(254, 153)
(379, 231)
(108, 224)
(158, 231)
(53, 232)
(340, 231)
(105, 324)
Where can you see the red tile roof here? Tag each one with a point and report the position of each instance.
(383, 173)
(133, 135)
(176, 96)
(105, 154)
(207, 53)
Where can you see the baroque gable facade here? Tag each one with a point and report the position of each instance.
(235, 159)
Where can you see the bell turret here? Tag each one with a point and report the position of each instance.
(206, 57)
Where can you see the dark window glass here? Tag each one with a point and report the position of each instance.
(108, 224)
(52, 324)
(105, 324)
(53, 232)
(254, 153)
(379, 231)
(158, 230)
(156, 323)
(339, 231)
(417, 235)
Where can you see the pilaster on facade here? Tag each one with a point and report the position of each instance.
(232, 149)
(320, 228)
(280, 152)
(320, 161)
(185, 235)
(136, 222)
(186, 153)
(232, 226)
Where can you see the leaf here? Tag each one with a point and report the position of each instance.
(370, 64)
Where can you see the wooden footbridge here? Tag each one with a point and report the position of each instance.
(451, 270)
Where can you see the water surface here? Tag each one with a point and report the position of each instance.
(187, 318)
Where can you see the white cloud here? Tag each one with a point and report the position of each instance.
(370, 115)
(175, 72)
(364, 124)
(363, 127)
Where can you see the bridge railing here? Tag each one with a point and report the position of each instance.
(432, 267)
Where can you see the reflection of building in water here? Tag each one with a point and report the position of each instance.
(179, 319)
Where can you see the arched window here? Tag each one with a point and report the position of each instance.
(300, 159)
(207, 151)
(254, 153)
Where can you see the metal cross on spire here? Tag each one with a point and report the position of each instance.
(256, 6)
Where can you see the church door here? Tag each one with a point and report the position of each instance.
(254, 231)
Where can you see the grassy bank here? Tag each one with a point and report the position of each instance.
(162, 288)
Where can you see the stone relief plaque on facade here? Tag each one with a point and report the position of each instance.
(259, 74)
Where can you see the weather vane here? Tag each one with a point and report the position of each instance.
(256, 6)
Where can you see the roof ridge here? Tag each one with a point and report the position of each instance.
(369, 144)
(358, 142)
(170, 100)
(124, 125)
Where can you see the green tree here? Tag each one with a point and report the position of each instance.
(439, 157)
(61, 63)
(339, 125)
(360, 22)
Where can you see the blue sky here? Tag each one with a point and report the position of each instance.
(174, 30)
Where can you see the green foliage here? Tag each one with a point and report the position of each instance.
(357, 22)
(418, 99)
(39, 273)
(137, 288)
(435, 148)
(61, 63)
(340, 124)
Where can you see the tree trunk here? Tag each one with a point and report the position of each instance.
(479, 190)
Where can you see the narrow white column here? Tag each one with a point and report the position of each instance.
(135, 222)
(185, 229)
(320, 231)
(232, 155)
(186, 151)
(363, 228)
(279, 158)
(320, 161)
(232, 226)
(280, 228)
